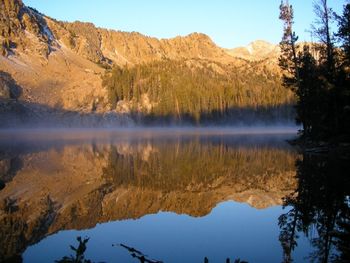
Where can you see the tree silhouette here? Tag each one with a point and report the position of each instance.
(319, 73)
(319, 208)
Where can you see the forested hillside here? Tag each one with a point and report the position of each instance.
(199, 91)
(186, 79)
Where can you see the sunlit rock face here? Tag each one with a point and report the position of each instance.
(59, 64)
(255, 51)
(50, 187)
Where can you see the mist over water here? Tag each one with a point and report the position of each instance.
(80, 133)
(20, 114)
(13, 139)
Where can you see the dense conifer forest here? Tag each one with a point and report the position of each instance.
(194, 91)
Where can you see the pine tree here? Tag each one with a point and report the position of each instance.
(327, 65)
(344, 33)
(288, 60)
(322, 31)
(343, 80)
(312, 98)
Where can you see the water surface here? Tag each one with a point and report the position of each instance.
(177, 195)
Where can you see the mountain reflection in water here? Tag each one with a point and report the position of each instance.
(62, 182)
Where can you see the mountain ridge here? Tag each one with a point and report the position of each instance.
(255, 51)
(18, 18)
(60, 64)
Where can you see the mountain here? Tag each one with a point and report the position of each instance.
(58, 66)
(255, 51)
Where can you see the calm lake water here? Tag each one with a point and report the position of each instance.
(176, 195)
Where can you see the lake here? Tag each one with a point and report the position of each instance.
(176, 195)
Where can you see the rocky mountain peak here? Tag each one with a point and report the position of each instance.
(256, 50)
(11, 7)
(10, 13)
(21, 26)
(260, 47)
(16, 22)
(198, 36)
(66, 59)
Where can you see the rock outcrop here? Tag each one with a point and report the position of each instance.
(60, 64)
(256, 51)
(23, 28)
(8, 87)
(104, 46)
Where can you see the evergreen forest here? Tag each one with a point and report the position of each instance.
(197, 92)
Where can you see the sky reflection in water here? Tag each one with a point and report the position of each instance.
(118, 185)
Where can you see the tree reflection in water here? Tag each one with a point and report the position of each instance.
(319, 208)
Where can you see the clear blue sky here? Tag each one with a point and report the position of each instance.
(230, 23)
